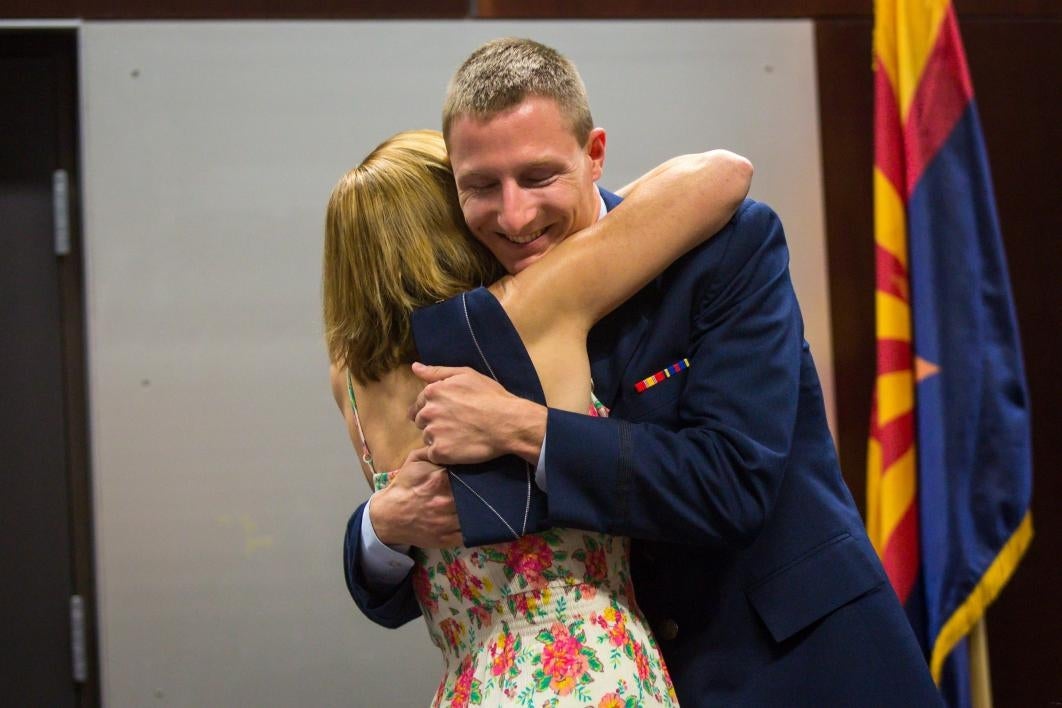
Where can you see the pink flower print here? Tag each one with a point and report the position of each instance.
(669, 686)
(596, 564)
(523, 604)
(614, 622)
(565, 661)
(453, 631)
(641, 662)
(422, 589)
(480, 615)
(461, 582)
(466, 689)
(502, 653)
(562, 660)
(530, 603)
(439, 693)
(527, 558)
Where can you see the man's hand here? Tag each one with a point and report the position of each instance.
(417, 507)
(467, 417)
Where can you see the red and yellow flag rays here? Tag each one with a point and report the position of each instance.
(914, 62)
(892, 509)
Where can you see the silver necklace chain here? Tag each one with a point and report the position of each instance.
(527, 505)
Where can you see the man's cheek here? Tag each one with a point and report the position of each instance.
(476, 221)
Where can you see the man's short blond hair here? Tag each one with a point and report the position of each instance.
(504, 72)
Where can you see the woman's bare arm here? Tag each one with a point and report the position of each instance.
(667, 212)
(626, 190)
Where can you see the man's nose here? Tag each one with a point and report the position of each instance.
(517, 209)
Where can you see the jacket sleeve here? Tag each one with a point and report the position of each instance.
(712, 475)
(389, 610)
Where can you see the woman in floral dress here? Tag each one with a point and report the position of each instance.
(550, 618)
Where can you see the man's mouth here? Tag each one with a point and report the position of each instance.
(524, 239)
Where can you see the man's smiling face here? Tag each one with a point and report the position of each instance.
(523, 180)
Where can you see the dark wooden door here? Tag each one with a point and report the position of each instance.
(42, 516)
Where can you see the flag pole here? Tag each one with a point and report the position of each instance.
(980, 676)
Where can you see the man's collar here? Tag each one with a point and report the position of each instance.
(603, 209)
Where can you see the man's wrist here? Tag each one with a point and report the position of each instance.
(529, 430)
(383, 567)
(379, 518)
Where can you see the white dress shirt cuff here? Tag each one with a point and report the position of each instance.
(540, 468)
(383, 567)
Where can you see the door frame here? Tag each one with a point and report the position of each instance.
(58, 42)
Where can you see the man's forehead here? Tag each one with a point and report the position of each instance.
(528, 103)
(535, 119)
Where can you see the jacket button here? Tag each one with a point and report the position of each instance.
(667, 630)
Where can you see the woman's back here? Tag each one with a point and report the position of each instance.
(381, 414)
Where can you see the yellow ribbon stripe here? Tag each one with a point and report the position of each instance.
(970, 612)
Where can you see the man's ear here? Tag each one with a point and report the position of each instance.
(595, 150)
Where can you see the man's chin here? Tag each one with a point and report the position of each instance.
(522, 261)
(527, 254)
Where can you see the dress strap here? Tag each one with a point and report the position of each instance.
(597, 408)
(366, 455)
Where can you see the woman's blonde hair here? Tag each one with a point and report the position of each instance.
(395, 240)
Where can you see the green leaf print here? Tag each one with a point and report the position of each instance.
(492, 554)
(591, 659)
(582, 694)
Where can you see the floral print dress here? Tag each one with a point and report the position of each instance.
(547, 620)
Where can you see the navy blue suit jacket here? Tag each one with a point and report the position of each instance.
(749, 560)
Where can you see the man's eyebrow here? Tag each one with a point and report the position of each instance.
(472, 177)
(545, 162)
(475, 174)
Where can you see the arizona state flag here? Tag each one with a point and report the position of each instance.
(949, 474)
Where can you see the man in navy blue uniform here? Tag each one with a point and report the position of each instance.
(749, 556)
